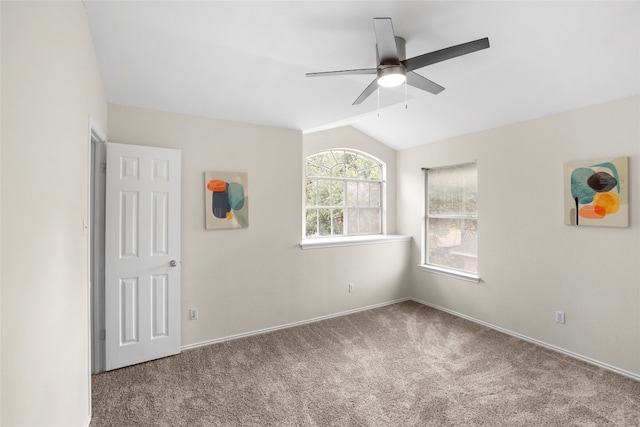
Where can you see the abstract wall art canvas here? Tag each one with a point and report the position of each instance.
(597, 192)
(226, 200)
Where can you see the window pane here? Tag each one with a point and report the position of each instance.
(452, 191)
(324, 222)
(324, 159)
(338, 222)
(338, 171)
(374, 192)
(313, 169)
(352, 194)
(337, 193)
(375, 217)
(353, 221)
(350, 160)
(367, 168)
(370, 172)
(363, 194)
(369, 221)
(312, 222)
(338, 156)
(363, 221)
(324, 193)
(310, 190)
(453, 243)
(364, 163)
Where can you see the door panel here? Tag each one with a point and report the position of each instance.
(129, 219)
(129, 311)
(160, 224)
(142, 254)
(159, 306)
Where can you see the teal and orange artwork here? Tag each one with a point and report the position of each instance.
(596, 192)
(226, 200)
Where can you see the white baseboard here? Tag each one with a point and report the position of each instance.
(437, 307)
(534, 341)
(289, 325)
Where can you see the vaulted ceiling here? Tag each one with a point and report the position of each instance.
(246, 61)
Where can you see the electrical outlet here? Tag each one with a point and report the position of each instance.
(560, 317)
(193, 313)
(351, 287)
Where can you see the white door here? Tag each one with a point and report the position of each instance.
(142, 254)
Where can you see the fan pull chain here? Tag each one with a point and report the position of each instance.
(405, 95)
(378, 94)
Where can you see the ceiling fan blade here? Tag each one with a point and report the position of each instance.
(368, 91)
(444, 54)
(385, 40)
(343, 72)
(416, 80)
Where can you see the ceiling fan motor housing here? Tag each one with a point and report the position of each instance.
(391, 72)
(391, 75)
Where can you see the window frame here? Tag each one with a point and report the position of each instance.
(436, 268)
(339, 238)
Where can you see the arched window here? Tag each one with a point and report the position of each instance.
(344, 194)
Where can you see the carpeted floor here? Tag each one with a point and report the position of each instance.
(400, 365)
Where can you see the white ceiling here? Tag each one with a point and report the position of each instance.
(246, 61)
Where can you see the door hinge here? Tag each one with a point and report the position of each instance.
(103, 167)
(103, 335)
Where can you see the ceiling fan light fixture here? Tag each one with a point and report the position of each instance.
(391, 76)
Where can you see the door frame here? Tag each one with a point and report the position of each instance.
(95, 232)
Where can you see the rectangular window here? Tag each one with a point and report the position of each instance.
(451, 216)
(342, 207)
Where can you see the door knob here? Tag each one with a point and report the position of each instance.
(173, 263)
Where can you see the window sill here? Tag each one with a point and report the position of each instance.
(469, 277)
(331, 242)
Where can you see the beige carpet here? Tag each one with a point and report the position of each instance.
(400, 365)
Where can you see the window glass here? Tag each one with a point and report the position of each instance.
(452, 218)
(344, 194)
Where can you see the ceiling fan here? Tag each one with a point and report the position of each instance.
(393, 69)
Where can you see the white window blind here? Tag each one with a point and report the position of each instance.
(452, 218)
